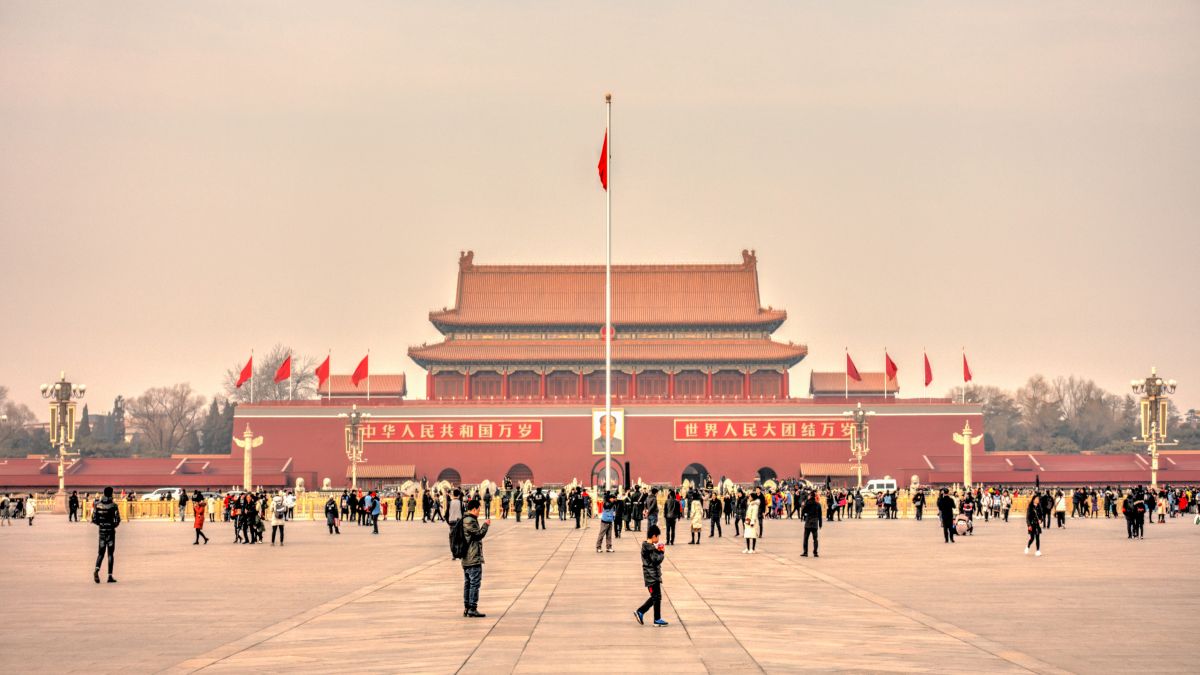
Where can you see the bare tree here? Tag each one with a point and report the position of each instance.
(165, 416)
(302, 385)
(13, 418)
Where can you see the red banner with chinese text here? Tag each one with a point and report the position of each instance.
(763, 429)
(450, 430)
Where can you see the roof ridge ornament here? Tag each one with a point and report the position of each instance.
(466, 260)
(749, 259)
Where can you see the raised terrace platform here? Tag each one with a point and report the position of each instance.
(884, 596)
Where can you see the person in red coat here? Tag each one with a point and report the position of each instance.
(198, 509)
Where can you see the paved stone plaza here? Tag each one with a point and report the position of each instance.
(884, 596)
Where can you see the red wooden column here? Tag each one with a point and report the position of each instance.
(579, 389)
(708, 385)
(633, 384)
(542, 386)
(429, 385)
(746, 384)
(785, 389)
(467, 384)
(671, 385)
(504, 385)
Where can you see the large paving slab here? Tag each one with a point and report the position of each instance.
(883, 596)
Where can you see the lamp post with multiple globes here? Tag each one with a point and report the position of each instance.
(859, 438)
(354, 441)
(62, 395)
(1154, 414)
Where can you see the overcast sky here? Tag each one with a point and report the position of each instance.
(182, 182)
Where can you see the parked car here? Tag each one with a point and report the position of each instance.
(162, 494)
(877, 485)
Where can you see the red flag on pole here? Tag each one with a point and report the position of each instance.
(966, 369)
(928, 371)
(602, 167)
(285, 370)
(889, 366)
(247, 373)
(360, 373)
(323, 373)
(851, 371)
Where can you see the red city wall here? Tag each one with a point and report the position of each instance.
(314, 437)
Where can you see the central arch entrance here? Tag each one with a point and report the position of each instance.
(614, 474)
(695, 472)
(519, 473)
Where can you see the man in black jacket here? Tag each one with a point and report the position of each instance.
(945, 506)
(918, 502)
(714, 516)
(652, 557)
(810, 513)
(73, 507)
(472, 562)
(671, 514)
(537, 504)
(106, 516)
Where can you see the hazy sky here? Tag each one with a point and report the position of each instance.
(181, 182)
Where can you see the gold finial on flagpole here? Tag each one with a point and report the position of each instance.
(608, 97)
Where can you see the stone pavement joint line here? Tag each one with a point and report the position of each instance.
(1013, 656)
(225, 651)
(720, 651)
(492, 655)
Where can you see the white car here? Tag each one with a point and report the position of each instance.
(878, 485)
(162, 494)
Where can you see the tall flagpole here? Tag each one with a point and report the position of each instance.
(251, 376)
(368, 373)
(847, 369)
(329, 378)
(608, 425)
(885, 376)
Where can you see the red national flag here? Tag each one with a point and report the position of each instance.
(322, 373)
(966, 369)
(247, 373)
(889, 366)
(285, 370)
(360, 373)
(603, 165)
(851, 371)
(928, 371)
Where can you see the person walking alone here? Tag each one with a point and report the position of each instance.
(472, 562)
(607, 516)
(30, 509)
(331, 516)
(107, 517)
(714, 516)
(199, 506)
(945, 507)
(671, 513)
(652, 558)
(750, 527)
(1060, 509)
(810, 513)
(696, 516)
(1033, 523)
(279, 511)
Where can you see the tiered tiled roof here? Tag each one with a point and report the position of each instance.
(573, 295)
(650, 350)
(829, 384)
(381, 385)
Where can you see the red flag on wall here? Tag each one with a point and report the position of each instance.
(928, 371)
(851, 371)
(966, 369)
(603, 165)
(285, 370)
(247, 373)
(889, 366)
(323, 373)
(360, 373)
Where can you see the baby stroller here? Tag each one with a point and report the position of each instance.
(963, 525)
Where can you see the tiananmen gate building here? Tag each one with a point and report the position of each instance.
(515, 388)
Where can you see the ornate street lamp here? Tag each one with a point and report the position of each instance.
(1154, 414)
(354, 441)
(860, 441)
(62, 395)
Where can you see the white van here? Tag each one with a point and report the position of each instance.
(162, 494)
(877, 485)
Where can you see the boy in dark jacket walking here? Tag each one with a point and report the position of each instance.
(652, 557)
(472, 562)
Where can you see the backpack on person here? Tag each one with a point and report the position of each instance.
(458, 541)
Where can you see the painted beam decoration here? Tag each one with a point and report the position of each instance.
(763, 429)
(453, 430)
